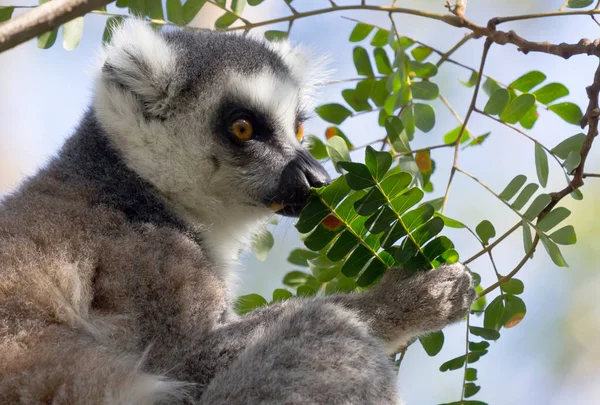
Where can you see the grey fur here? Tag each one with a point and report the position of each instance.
(114, 286)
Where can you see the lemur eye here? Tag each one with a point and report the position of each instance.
(242, 129)
(300, 132)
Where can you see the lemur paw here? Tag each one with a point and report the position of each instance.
(450, 288)
(425, 301)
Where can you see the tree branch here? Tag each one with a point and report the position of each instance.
(42, 19)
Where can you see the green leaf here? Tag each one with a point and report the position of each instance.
(342, 246)
(424, 117)
(478, 346)
(420, 53)
(237, 6)
(356, 261)
(312, 215)
(191, 8)
(255, 2)
(525, 195)
(334, 113)
(472, 80)
(493, 314)
(47, 39)
(454, 364)
(296, 278)
(432, 343)
(550, 93)
(553, 218)
(530, 118)
(537, 206)
(497, 102)
(571, 144)
(579, 3)
(226, 20)
(422, 70)
(518, 108)
(72, 32)
(417, 217)
(380, 38)
(514, 311)
(479, 139)
(357, 103)
(564, 236)
(360, 32)
(379, 92)
(378, 163)
(470, 374)
(6, 13)
(490, 86)
(528, 81)
(437, 246)
(485, 230)
(527, 239)
(513, 286)
(337, 148)
(487, 334)
(262, 243)
(279, 294)
(374, 270)
(300, 257)
(572, 161)
(428, 230)
(382, 61)
(471, 389)
(449, 222)
(274, 36)
(111, 24)
(541, 165)
(316, 147)
(396, 134)
(358, 176)
(155, 9)
(362, 62)
(305, 291)
(453, 135)
(553, 251)
(247, 303)
(175, 12)
(569, 112)
(424, 90)
(511, 189)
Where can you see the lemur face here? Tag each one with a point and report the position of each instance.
(212, 120)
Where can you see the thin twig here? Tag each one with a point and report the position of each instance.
(491, 246)
(590, 175)
(514, 128)
(486, 48)
(510, 275)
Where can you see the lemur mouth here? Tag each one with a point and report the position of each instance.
(287, 210)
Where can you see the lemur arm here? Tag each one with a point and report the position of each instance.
(315, 334)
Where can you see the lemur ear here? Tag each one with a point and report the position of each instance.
(140, 60)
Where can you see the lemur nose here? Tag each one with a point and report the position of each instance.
(315, 174)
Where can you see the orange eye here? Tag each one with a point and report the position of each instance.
(300, 133)
(242, 129)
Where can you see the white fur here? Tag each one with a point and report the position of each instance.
(309, 68)
(136, 40)
(175, 155)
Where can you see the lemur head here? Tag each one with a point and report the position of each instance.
(212, 120)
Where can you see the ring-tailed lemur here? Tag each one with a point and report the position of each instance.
(115, 258)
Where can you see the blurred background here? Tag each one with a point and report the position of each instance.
(552, 356)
